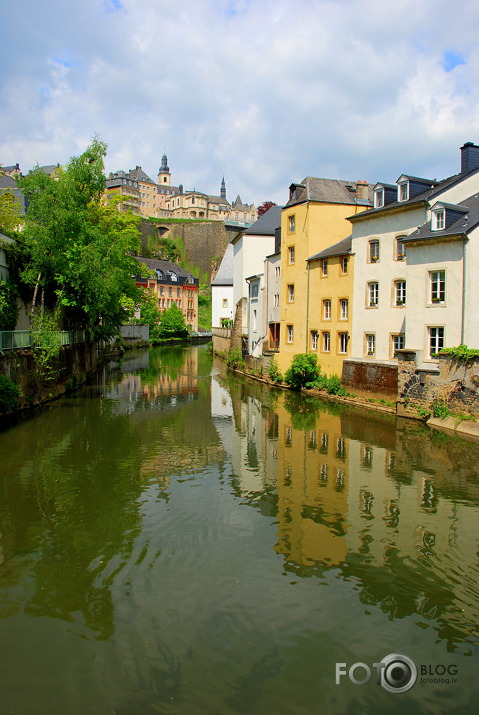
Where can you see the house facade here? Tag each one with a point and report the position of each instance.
(313, 220)
(249, 250)
(171, 284)
(330, 276)
(222, 304)
(413, 255)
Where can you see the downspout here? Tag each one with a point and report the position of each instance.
(463, 290)
(307, 312)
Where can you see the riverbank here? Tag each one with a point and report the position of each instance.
(462, 426)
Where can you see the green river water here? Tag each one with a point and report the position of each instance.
(177, 540)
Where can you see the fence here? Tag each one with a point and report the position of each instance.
(15, 339)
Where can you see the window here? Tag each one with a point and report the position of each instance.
(326, 342)
(403, 191)
(170, 291)
(290, 333)
(379, 198)
(438, 286)
(373, 295)
(277, 271)
(400, 249)
(161, 290)
(370, 344)
(326, 310)
(291, 224)
(291, 255)
(314, 340)
(254, 323)
(397, 343)
(254, 289)
(225, 302)
(374, 251)
(290, 293)
(436, 340)
(400, 293)
(324, 267)
(344, 265)
(438, 220)
(343, 309)
(343, 343)
(276, 300)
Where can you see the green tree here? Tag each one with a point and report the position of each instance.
(172, 324)
(8, 306)
(302, 371)
(10, 212)
(78, 252)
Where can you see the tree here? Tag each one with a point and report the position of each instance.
(77, 252)
(10, 212)
(265, 206)
(172, 323)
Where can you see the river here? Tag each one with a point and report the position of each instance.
(178, 540)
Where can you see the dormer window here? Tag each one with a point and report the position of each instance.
(438, 220)
(403, 191)
(378, 198)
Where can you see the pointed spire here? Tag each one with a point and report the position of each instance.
(223, 189)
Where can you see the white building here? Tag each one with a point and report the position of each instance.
(399, 273)
(222, 290)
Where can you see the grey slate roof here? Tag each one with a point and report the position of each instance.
(224, 277)
(427, 195)
(331, 191)
(139, 175)
(341, 248)
(462, 227)
(164, 266)
(8, 184)
(267, 223)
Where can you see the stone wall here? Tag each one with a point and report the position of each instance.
(370, 377)
(221, 340)
(135, 335)
(454, 384)
(204, 242)
(74, 364)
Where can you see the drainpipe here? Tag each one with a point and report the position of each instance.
(307, 311)
(463, 290)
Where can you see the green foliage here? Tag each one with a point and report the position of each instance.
(461, 352)
(423, 412)
(274, 372)
(10, 212)
(440, 410)
(46, 344)
(150, 314)
(8, 305)
(303, 370)
(172, 325)
(77, 253)
(234, 360)
(167, 250)
(204, 309)
(9, 394)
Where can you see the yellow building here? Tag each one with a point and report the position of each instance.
(313, 220)
(330, 274)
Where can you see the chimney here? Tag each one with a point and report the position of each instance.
(469, 157)
(362, 190)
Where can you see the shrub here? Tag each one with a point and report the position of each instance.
(8, 306)
(440, 410)
(274, 373)
(9, 394)
(303, 370)
(235, 361)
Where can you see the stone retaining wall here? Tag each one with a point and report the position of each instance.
(371, 377)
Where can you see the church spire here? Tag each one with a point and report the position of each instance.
(163, 171)
(223, 189)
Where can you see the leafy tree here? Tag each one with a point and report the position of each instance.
(8, 306)
(172, 324)
(78, 252)
(150, 314)
(302, 371)
(10, 212)
(265, 206)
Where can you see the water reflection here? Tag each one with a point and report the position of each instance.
(195, 543)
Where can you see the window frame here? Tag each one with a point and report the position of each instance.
(437, 338)
(371, 301)
(438, 222)
(437, 287)
(325, 341)
(314, 339)
(343, 309)
(291, 255)
(370, 340)
(400, 292)
(393, 338)
(343, 336)
(403, 188)
(290, 287)
(324, 268)
(373, 250)
(379, 198)
(326, 309)
(292, 223)
(290, 334)
(344, 265)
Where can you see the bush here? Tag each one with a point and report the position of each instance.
(440, 410)
(235, 361)
(303, 371)
(274, 373)
(8, 306)
(9, 394)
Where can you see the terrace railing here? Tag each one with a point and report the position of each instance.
(17, 339)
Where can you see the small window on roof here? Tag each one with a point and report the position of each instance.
(438, 220)
(403, 191)
(379, 198)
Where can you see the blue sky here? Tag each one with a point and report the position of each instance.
(264, 92)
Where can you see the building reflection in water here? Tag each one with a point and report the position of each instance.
(386, 504)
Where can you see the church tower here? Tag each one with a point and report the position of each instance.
(164, 175)
(223, 189)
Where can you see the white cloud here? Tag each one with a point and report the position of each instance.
(264, 91)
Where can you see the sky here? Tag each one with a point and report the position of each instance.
(262, 92)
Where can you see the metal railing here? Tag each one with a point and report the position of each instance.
(16, 339)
